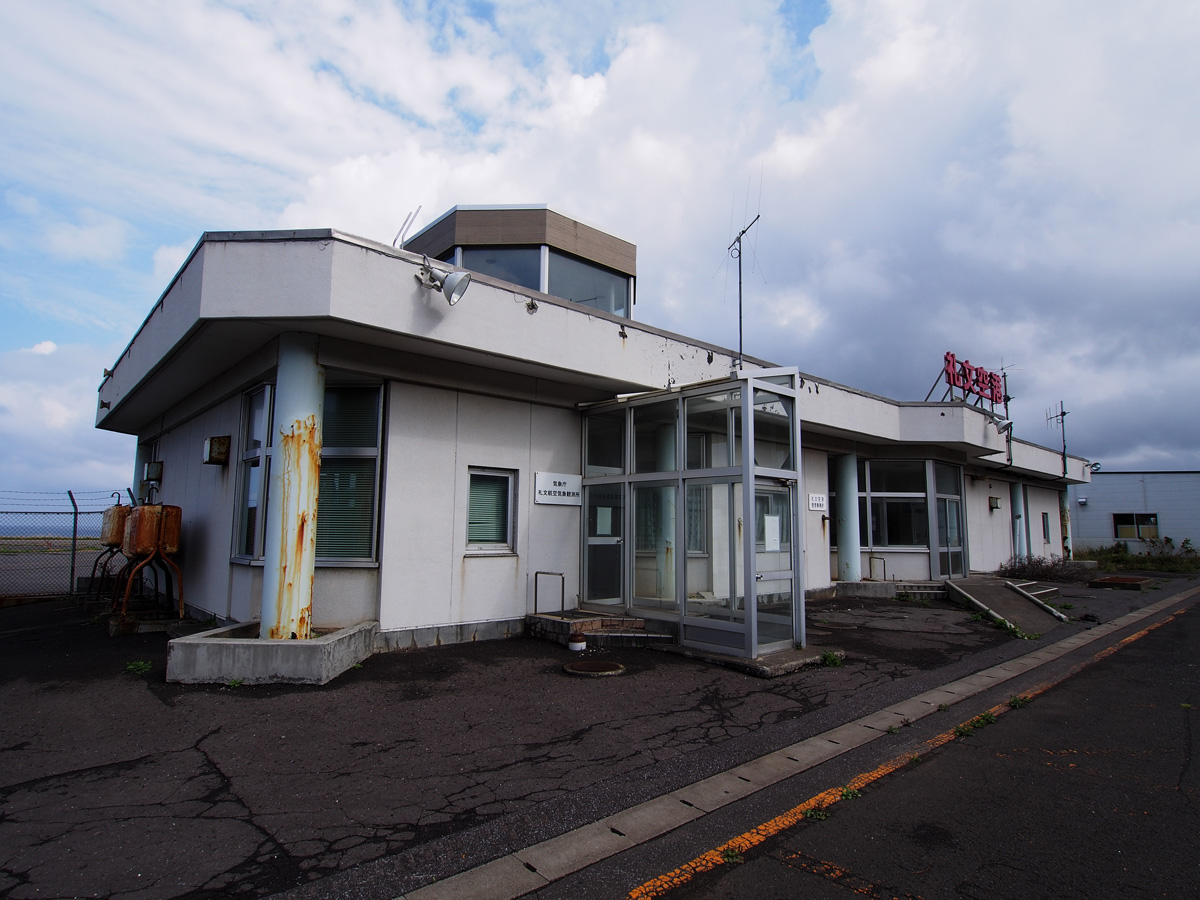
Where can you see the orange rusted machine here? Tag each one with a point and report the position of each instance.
(151, 535)
(112, 535)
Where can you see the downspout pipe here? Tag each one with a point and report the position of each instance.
(290, 545)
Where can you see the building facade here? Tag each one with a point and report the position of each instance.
(444, 469)
(1136, 507)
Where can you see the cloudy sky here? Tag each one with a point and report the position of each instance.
(1017, 182)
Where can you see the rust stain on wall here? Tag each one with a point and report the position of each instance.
(300, 455)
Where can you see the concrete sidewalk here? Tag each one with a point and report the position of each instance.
(419, 766)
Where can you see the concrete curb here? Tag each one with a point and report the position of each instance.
(531, 868)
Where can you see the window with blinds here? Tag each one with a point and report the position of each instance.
(489, 509)
(346, 503)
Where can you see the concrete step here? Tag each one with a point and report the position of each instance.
(921, 590)
(600, 630)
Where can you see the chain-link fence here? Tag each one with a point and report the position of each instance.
(46, 551)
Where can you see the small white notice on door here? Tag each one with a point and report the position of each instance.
(771, 534)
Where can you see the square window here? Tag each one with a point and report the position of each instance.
(490, 509)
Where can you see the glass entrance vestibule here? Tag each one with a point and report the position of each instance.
(690, 511)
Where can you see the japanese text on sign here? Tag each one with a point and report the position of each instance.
(974, 379)
(557, 489)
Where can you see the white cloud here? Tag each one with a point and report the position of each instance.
(1014, 182)
(44, 348)
(97, 238)
(46, 422)
(168, 260)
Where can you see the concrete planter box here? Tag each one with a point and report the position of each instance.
(236, 653)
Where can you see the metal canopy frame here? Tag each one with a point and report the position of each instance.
(738, 637)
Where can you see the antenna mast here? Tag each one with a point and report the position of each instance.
(735, 250)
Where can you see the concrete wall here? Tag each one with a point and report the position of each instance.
(818, 568)
(428, 576)
(1040, 500)
(206, 495)
(1173, 496)
(989, 531)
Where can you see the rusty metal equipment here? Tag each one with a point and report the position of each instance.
(112, 534)
(151, 536)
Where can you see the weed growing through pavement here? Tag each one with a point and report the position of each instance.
(138, 667)
(978, 617)
(235, 682)
(942, 707)
(963, 731)
(820, 814)
(849, 793)
(892, 729)
(830, 659)
(730, 855)
(1017, 701)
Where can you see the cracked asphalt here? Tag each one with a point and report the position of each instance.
(416, 765)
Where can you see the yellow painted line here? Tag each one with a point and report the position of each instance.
(706, 862)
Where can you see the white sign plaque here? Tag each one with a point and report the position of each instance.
(816, 503)
(557, 489)
(771, 535)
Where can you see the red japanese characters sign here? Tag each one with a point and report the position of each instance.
(974, 379)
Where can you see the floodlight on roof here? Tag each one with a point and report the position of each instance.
(452, 284)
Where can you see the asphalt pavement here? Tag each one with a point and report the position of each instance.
(418, 766)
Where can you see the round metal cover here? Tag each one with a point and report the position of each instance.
(594, 668)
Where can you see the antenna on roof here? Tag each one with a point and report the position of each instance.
(398, 240)
(735, 250)
(1056, 417)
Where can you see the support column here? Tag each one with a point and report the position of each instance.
(668, 461)
(290, 544)
(849, 547)
(1020, 530)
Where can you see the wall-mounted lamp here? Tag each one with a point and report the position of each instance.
(1004, 426)
(452, 284)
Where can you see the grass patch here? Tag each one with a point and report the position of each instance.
(138, 667)
(830, 660)
(1161, 555)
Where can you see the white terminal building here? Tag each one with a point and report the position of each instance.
(444, 455)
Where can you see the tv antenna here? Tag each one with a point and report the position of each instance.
(1056, 417)
(735, 250)
(398, 240)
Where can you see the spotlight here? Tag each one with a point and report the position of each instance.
(452, 284)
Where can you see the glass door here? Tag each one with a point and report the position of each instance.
(603, 561)
(774, 573)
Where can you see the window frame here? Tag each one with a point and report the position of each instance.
(363, 452)
(508, 547)
(261, 457)
(255, 457)
(1137, 521)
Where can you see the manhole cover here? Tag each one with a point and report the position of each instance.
(593, 668)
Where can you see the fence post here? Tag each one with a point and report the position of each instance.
(74, 541)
